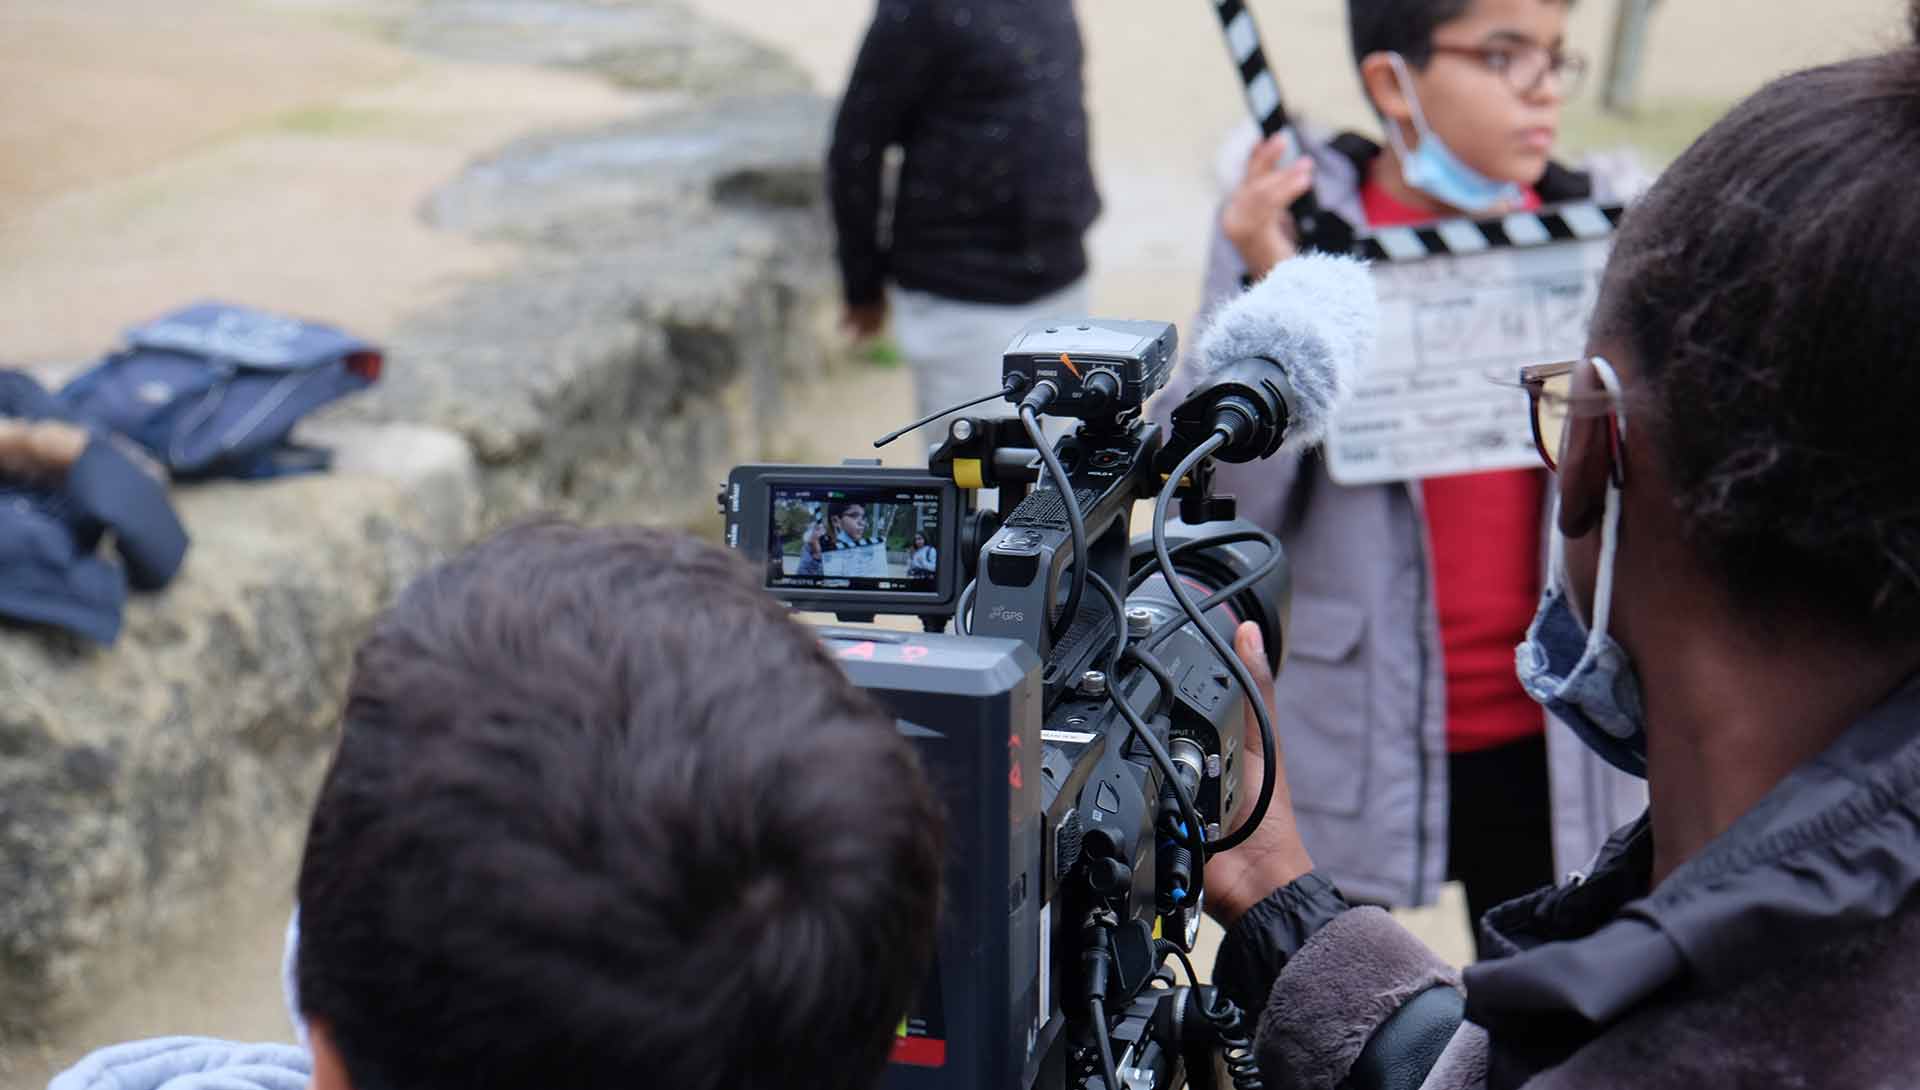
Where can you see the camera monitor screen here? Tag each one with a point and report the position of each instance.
(836, 537)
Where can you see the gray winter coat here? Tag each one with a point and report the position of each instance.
(1362, 696)
(1783, 955)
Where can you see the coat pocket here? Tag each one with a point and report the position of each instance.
(1321, 711)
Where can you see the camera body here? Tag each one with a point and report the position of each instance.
(1068, 768)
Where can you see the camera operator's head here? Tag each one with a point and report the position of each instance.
(1737, 468)
(603, 815)
(1484, 79)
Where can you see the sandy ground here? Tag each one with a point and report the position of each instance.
(275, 151)
(152, 154)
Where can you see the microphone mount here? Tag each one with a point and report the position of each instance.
(1249, 400)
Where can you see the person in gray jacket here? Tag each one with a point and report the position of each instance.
(1420, 758)
(1735, 614)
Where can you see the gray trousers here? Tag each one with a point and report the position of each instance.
(955, 347)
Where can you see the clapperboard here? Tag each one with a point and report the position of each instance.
(855, 562)
(1464, 304)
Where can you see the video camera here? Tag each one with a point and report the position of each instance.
(1083, 728)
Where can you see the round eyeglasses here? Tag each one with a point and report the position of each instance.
(1525, 67)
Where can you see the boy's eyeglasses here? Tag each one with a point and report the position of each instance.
(1525, 67)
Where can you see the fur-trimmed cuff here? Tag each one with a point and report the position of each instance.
(1463, 1066)
(1259, 944)
(1349, 978)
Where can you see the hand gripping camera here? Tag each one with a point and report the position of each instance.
(1083, 727)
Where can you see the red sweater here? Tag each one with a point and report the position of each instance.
(1484, 535)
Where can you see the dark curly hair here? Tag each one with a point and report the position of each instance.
(603, 815)
(1766, 287)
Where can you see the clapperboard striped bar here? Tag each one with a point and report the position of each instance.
(1516, 230)
(1322, 230)
(1243, 45)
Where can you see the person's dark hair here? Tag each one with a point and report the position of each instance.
(840, 507)
(1402, 26)
(1765, 286)
(603, 815)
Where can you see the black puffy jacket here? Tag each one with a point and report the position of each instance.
(996, 191)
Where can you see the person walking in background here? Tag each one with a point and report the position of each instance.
(985, 230)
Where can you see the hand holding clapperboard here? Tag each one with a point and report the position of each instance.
(1463, 305)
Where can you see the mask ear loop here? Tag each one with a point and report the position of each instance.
(1616, 421)
(1404, 77)
(1610, 520)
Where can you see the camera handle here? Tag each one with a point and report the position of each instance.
(1113, 464)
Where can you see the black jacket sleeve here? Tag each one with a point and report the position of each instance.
(1258, 945)
(105, 485)
(897, 61)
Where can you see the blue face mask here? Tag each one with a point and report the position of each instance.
(1583, 676)
(1433, 168)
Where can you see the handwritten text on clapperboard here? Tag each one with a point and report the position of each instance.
(1441, 395)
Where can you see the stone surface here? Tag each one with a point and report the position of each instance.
(677, 292)
(135, 778)
(673, 289)
(647, 45)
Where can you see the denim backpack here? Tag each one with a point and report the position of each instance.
(214, 390)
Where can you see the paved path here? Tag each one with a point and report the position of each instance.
(151, 154)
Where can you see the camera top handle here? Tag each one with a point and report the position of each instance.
(1020, 581)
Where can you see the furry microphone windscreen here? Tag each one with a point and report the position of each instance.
(1318, 317)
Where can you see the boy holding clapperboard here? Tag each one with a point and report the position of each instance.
(1415, 754)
